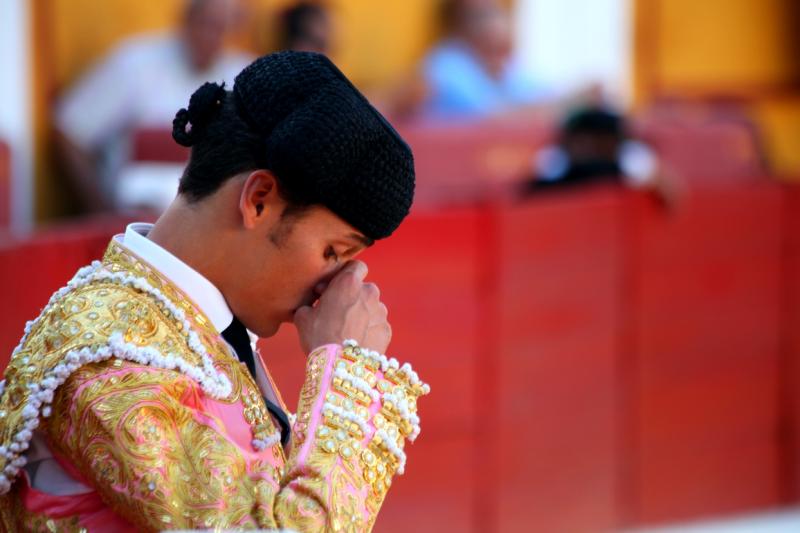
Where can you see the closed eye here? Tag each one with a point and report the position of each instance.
(330, 254)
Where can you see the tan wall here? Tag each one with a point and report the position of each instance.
(376, 40)
(741, 50)
(735, 46)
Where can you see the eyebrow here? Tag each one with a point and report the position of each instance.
(366, 241)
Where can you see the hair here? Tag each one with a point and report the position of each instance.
(294, 22)
(450, 15)
(595, 121)
(193, 7)
(222, 146)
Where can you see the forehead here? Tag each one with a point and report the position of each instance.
(204, 10)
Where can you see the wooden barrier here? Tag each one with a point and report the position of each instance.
(707, 312)
(790, 363)
(596, 362)
(556, 355)
(5, 186)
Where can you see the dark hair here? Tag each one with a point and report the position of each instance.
(450, 15)
(223, 145)
(596, 121)
(294, 22)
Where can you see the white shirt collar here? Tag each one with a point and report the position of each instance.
(197, 287)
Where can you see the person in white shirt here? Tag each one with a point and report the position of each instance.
(139, 85)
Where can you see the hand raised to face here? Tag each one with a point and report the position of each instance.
(348, 308)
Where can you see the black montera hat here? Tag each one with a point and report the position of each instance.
(323, 136)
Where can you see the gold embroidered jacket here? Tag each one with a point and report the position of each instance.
(139, 400)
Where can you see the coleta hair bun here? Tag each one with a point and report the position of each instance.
(203, 106)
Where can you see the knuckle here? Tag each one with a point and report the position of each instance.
(347, 280)
(358, 269)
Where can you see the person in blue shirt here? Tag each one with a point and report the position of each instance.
(471, 73)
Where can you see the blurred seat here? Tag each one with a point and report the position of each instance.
(157, 145)
(462, 165)
(457, 164)
(150, 178)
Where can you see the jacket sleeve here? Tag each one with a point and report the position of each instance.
(140, 437)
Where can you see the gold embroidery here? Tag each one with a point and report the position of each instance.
(37, 523)
(160, 466)
(244, 387)
(359, 467)
(15, 518)
(89, 315)
(308, 395)
(131, 431)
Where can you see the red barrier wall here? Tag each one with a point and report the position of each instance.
(790, 364)
(5, 185)
(707, 318)
(596, 362)
(555, 358)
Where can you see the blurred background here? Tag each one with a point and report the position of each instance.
(601, 274)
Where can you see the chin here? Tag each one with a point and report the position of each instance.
(265, 330)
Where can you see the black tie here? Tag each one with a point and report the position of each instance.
(236, 335)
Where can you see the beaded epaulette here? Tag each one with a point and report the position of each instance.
(119, 308)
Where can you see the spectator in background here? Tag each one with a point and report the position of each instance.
(471, 73)
(306, 27)
(593, 145)
(139, 85)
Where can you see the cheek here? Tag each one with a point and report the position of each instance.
(303, 270)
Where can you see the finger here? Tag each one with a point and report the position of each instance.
(345, 284)
(350, 278)
(371, 291)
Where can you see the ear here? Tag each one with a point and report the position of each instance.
(259, 199)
